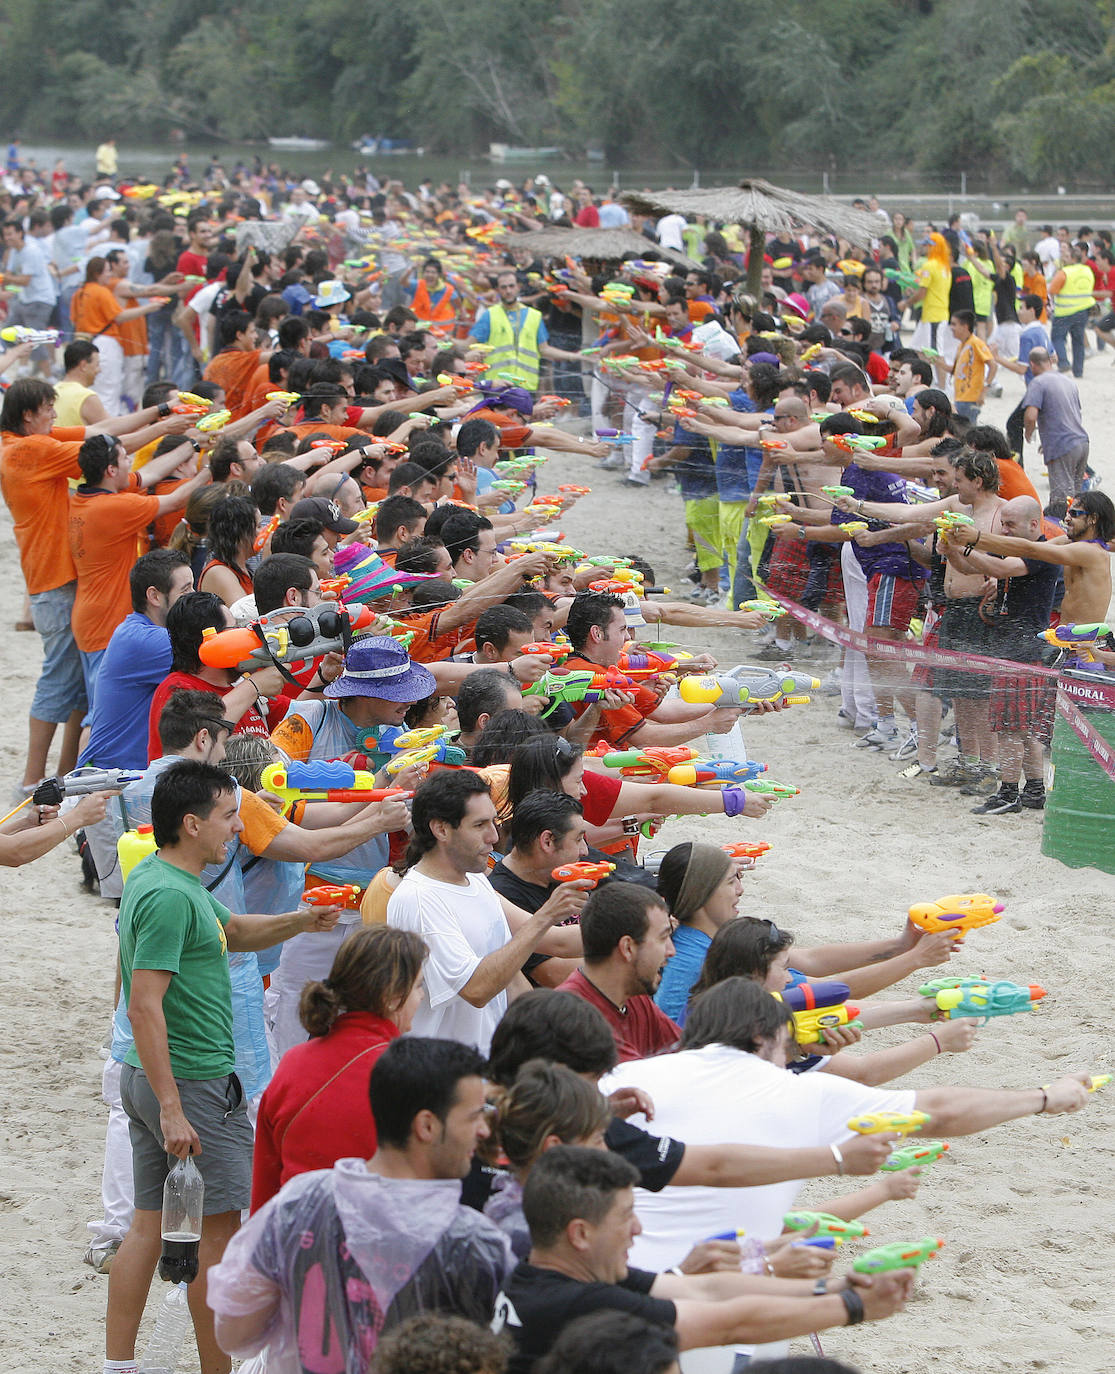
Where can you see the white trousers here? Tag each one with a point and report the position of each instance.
(857, 694)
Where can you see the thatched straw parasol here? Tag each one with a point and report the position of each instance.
(609, 245)
(761, 209)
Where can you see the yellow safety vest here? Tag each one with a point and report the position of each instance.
(1076, 294)
(513, 352)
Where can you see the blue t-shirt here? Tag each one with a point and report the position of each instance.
(1035, 335)
(137, 659)
(681, 972)
(696, 475)
(889, 488)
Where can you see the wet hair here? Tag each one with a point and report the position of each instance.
(416, 1074)
(444, 796)
(552, 1025)
(154, 569)
(547, 1099)
(737, 1013)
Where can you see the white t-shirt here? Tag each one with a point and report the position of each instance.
(670, 229)
(461, 925)
(715, 1096)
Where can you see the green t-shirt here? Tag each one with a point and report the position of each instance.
(169, 922)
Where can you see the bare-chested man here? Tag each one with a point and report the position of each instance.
(1021, 707)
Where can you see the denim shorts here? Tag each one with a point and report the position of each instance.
(217, 1110)
(60, 689)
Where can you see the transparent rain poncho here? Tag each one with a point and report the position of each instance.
(341, 1254)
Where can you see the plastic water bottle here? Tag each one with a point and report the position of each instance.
(183, 1196)
(164, 1349)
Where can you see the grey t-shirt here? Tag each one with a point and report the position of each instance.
(1059, 420)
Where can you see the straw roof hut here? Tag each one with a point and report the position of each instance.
(609, 245)
(761, 209)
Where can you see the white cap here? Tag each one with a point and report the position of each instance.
(105, 193)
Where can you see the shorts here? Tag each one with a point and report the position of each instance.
(217, 1110)
(788, 567)
(922, 673)
(60, 690)
(1023, 705)
(891, 602)
(703, 518)
(962, 631)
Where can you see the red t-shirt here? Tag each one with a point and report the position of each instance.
(588, 217)
(640, 1031)
(250, 723)
(316, 1109)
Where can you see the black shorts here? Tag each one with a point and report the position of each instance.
(963, 632)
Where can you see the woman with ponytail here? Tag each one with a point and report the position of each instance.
(701, 887)
(548, 1104)
(316, 1108)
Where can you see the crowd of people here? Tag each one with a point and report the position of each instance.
(470, 1084)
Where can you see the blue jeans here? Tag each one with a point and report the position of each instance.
(968, 409)
(60, 689)
(1069, 327)
(169, 357)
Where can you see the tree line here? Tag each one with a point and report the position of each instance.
(1021, 90)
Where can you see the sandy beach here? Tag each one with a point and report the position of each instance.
(1024, 1282)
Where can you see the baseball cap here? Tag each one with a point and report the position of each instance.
(327, 513)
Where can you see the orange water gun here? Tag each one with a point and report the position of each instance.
(265, 534)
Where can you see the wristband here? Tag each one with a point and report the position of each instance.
(839, 1159)
(935, 1041)
(511, 675)
(164, 409)
(735, 799)
(1044, 1102)
(853, 1305)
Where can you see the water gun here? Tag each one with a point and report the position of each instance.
(562, 552)
(559, 401)
(265, 533)
(641, 663)
(746, 849)
(757, 685)
(826, 1224)
(816, 1006)
(325, 781)
(1098, 1081)
(584, 686)
(210, 424)
(189, 404)
(334, 586)
(770, 608)
(808, 354)
(875, 1123)
(950, 520)
(773, 445)
(617, 292)
(333, 894)
(333, 445)
(774, 521)
(461, 385)
(977, 997)
(280, 638)
(51, 791)
(852, 443)
(413, 748)
(288, 398)
(958, 914)
(724, 773)
(601, 560)
(906, 280)
(572, 489)
(852, 527)
(1081, 639)
(546, 648)
(834, 492)
(898, 1256)
(582, 872)
(654, 762)
(614, 436)
(510, 486)
(865, 417)
(777, 791)
(918, 1156)
(20, 334)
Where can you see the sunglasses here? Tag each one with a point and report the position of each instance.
(774, 937)
(1076, 513)
(564, 750)
(221, 724)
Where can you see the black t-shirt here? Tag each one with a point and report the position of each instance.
(537, 1304)
(527, 895)
(1021, 612)
(657, 1157)
(960, 295)
(1006, 292)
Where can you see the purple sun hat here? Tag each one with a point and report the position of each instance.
(376, 666)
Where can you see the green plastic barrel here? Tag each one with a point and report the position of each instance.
(1079, 826)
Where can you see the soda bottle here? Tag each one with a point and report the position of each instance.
(183, 1196)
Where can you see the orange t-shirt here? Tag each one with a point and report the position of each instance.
(133, 332)
(1013, 481)
(104, 529)
(234, 371)
(428, 646)
(261, 822)
(317, 428)
(35, 470)
(258, 386)
(163, 526)
(93, 309)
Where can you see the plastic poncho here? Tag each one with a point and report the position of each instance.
(348, 1254)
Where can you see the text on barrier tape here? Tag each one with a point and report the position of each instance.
(1091, 739)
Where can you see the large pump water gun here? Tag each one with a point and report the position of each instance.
(751, 686)
(320, 780)
(281, 639)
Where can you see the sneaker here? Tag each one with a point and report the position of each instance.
(878, 738)
(909, 746)
(832, 684)
(998, 805)
(846, 722)
(100, 1259)
(774, 653)
(954, 775)
(918, 770)
(642, 480)
(615, 462)
(1032, 795)
(985, 782)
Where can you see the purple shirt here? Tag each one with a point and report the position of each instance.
(888, 487)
